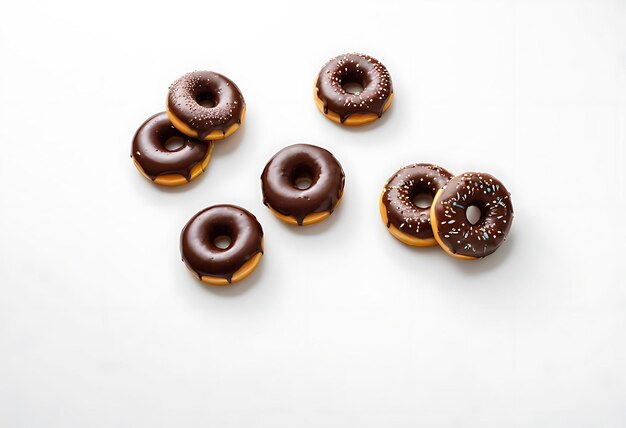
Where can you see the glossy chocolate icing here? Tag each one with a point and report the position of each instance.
(198, 248)
(494, 201)
(354, 68)
(185, 94)
(148, 149)
(278, 181)
(403, 187)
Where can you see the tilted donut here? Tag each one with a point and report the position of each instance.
(222, 266)
(294, 205)
(205, 105)
(453, 231)
(405, 220)
(353, 108)
(161, 165)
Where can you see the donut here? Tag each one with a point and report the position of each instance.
(161, 165)
(358, 108)
(205, 105)
(302, 205)
(406, 221)
(451, 227)
(211, 263)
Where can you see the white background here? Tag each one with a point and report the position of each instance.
(341, 325)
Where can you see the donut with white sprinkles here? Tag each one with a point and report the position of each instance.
(341, 104)
(205, 105)
(406, 221)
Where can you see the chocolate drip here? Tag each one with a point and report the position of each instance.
(354, 68)
(494, 201)
(198, 248)
(403, 187)
(186, 94)
(148, 149)
(278, 181)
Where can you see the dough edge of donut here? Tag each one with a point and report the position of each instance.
(214, 135)
(173, 180)
(433, 224)
(310, 219)
(405, 238)
(356, 119)
(243, 272)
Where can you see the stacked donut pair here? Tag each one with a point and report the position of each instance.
(446, 221)
(174, 147)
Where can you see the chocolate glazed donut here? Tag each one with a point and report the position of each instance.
(205, 105)
(222, 266)
(302, 206)
(161, 165)
(353, 108)
(452, 229)
(406, 221)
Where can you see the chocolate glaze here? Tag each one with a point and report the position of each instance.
(148, 149)
(278, 181)
(354, 68)
(199, 251)
(403, 187)
(491, 197)
(185, 94)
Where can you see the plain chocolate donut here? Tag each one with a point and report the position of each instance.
(211, 263)
(302, 206)
(164, 166)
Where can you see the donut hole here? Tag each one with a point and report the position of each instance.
(302, 177)
(352, 81)
(473, 214)
(174, 143)
(303, 183)
(221, 237)
(354, 88)
(222, 242)
(423, 200)
(206, 99)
